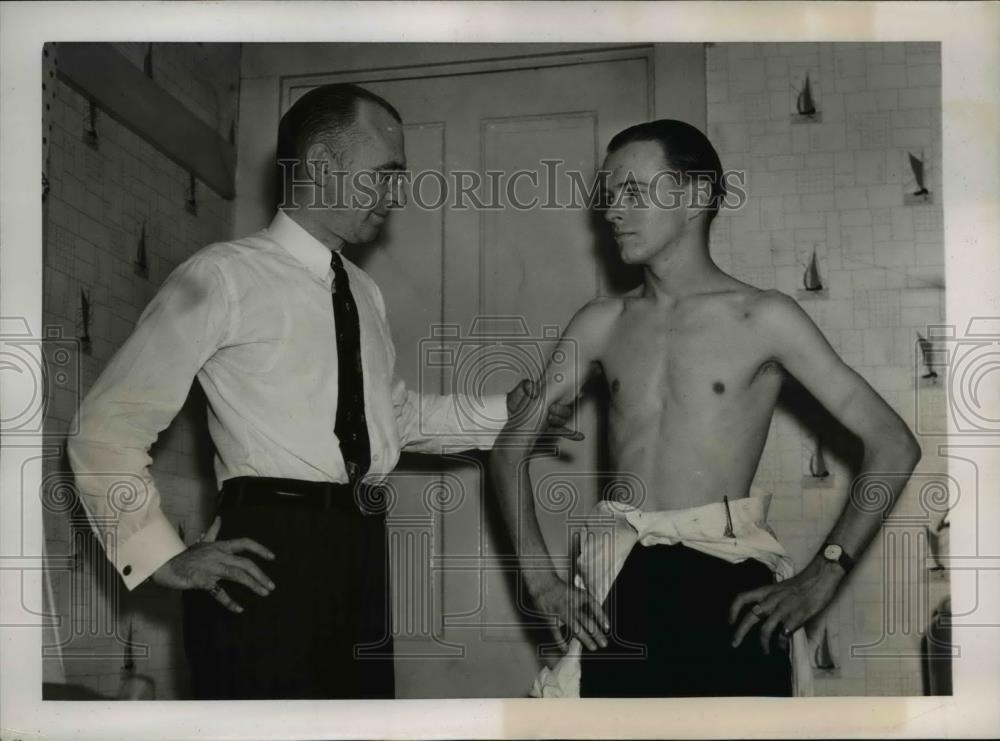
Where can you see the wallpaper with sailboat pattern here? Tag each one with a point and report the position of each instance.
(833, 219)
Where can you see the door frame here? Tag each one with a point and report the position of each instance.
(288, 84)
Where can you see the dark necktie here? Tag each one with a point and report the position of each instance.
(351, 426)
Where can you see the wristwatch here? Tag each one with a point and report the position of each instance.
(836, 554)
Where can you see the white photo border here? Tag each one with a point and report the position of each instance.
(971, 157)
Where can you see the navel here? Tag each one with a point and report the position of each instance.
(719, 387)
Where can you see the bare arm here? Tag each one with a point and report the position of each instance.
(890, 450)
(567, 370)
(890, 455)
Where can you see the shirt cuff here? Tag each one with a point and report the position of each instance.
(147, 549)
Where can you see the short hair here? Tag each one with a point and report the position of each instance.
(327, 113)
(684, 148)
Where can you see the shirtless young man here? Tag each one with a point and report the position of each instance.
(694, 360)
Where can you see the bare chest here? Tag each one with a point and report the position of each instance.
(700, 360)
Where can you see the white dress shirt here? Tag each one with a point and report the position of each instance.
(253, 320)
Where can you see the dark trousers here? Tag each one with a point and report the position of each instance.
(323, 632)
(671, 635)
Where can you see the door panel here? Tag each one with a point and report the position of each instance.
(538, 262)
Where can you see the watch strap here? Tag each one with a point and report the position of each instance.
(844, 560)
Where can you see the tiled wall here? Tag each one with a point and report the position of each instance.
(204, 77)
(837, 185)
(99, 203)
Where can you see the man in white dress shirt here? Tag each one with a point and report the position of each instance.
(291, 345)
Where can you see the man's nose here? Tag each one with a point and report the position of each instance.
(396, 195)
(613, 213)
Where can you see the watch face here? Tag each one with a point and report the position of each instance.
(832, 552)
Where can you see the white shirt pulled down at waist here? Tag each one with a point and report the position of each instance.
(613, 529)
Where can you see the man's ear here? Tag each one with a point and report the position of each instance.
(319, 163)
(698, 191)
(691, 203)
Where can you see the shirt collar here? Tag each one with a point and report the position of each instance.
(302, 245)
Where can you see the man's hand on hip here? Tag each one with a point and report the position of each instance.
(573, 608)
(557, 416)
(205, 563)
(789, 604)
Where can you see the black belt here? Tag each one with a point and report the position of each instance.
(247, 491)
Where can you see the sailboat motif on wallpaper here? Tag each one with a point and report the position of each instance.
(133, 686)
(927, 358)
(812, 281)
(817, 463)
(140, 266)
(90, 136)
(84, 334)
(921, 195)
(810, 278)
(805, 104)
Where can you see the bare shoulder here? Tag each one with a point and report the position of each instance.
(597, 314)
(785, 327)
(595, 321)
(774, 310)
(602, 307)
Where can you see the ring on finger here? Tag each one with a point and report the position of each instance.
(786, 632)
(757, 610)
(215, 590)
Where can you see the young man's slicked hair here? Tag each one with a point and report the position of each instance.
(685, 149)
(326, 113)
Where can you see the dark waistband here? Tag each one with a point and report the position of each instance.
(246, 491)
